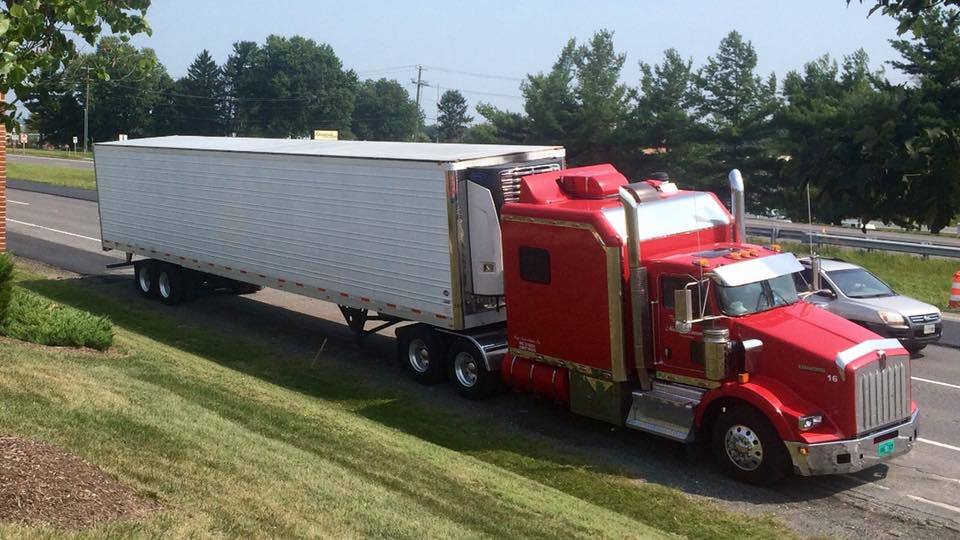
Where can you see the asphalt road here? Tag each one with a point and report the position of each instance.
(14, 157)
(917, 495)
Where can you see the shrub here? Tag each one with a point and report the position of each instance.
(6, 284)
(36, 319)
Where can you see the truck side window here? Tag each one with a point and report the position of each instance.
(534, 265)
(669, 284)
(803, 279)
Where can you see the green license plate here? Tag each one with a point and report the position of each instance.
(886, 447)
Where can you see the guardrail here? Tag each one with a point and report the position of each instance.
(917, 248)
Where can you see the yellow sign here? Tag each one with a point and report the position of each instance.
(325, 135)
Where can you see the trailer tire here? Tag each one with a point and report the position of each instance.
(469, 374)
(172, 285)
(422, 353)
(145, 278)
(747, 446)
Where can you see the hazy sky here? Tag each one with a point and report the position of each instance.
(511, 39)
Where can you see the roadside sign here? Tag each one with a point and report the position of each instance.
(326, 135)
(24, 138)
(74, 140)
(123, 137)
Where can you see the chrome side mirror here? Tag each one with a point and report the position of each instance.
(683, 310)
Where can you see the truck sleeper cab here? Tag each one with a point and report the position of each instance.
(772, 383)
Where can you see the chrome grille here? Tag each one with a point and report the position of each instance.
(510, 179)
(928, 318)
(883, 393)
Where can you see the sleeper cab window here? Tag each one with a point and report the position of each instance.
(534, 265)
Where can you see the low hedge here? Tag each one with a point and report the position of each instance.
(33, 318)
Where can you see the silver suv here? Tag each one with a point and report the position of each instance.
(853, 293)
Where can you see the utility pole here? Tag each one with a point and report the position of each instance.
(86, 114)
(420, 84)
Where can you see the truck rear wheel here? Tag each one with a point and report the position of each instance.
(171, 284)
(145, 278)
(747, 446)
(422, 353)
(469, 373)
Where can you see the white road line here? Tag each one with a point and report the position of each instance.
(945, 506)
(92, 239)
(18, 202)
(940, 444)
(948, 385)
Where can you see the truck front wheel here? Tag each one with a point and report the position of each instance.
(422, 353)
(747, 446)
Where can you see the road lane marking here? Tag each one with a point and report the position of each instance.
(940, 444)
(92, 239)
(948, 385)
(945, 506)
(18, 202)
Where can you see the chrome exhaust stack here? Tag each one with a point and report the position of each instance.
(737, 205)
(639, 295)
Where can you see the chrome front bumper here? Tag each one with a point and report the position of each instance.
(852, 455)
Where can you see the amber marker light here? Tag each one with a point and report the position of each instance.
(744, 378)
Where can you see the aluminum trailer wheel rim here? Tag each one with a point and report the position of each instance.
(163, 282)
(143, 278)
(743, 447)
(466, 369)
(419, 355)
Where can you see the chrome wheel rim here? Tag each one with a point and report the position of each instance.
(418, 355)
(163, 282)
(143, 278)
(466, 369)
(743, 447)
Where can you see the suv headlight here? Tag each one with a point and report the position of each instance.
(891, 318)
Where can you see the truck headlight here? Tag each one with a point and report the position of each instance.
(806, 423)
(891, 318)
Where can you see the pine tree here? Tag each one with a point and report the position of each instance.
(200, 98)
(453, 119)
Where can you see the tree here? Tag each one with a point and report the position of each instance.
(737, 104)
(908, 11)
(384, 112)
(664, 130)
(200, 99)
(56, 113)
(500, 126)
(453, 118)
(289, 87)
(550, 100)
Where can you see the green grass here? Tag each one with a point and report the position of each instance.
(36, 319)
(927, 280)
(61, 176)
(236, 439)
(61, 154)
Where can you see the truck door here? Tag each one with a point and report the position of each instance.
(677, 352)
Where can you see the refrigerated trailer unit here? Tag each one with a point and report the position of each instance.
(376, 227)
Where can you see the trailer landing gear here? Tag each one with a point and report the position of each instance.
(357, 321)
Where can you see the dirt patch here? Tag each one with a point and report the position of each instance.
(42, 484)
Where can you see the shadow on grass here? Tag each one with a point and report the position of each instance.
(237, 333)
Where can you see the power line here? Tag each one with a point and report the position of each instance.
(475, 74)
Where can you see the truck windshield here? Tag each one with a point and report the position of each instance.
(757, 296)
(858, 283)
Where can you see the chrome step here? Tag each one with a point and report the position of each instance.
(666, 410)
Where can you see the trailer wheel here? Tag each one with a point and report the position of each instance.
(748, 447)
(171, 284)
(421, 351)
(145, 278)
(468, 372)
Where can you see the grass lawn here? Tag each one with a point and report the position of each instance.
(927, 280)
(61, 154)
(61, 176)
(234, 439)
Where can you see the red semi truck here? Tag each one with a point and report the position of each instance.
(635, 303)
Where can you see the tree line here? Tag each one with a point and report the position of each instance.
(836, 129)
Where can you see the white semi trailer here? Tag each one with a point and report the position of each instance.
(389, 231)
